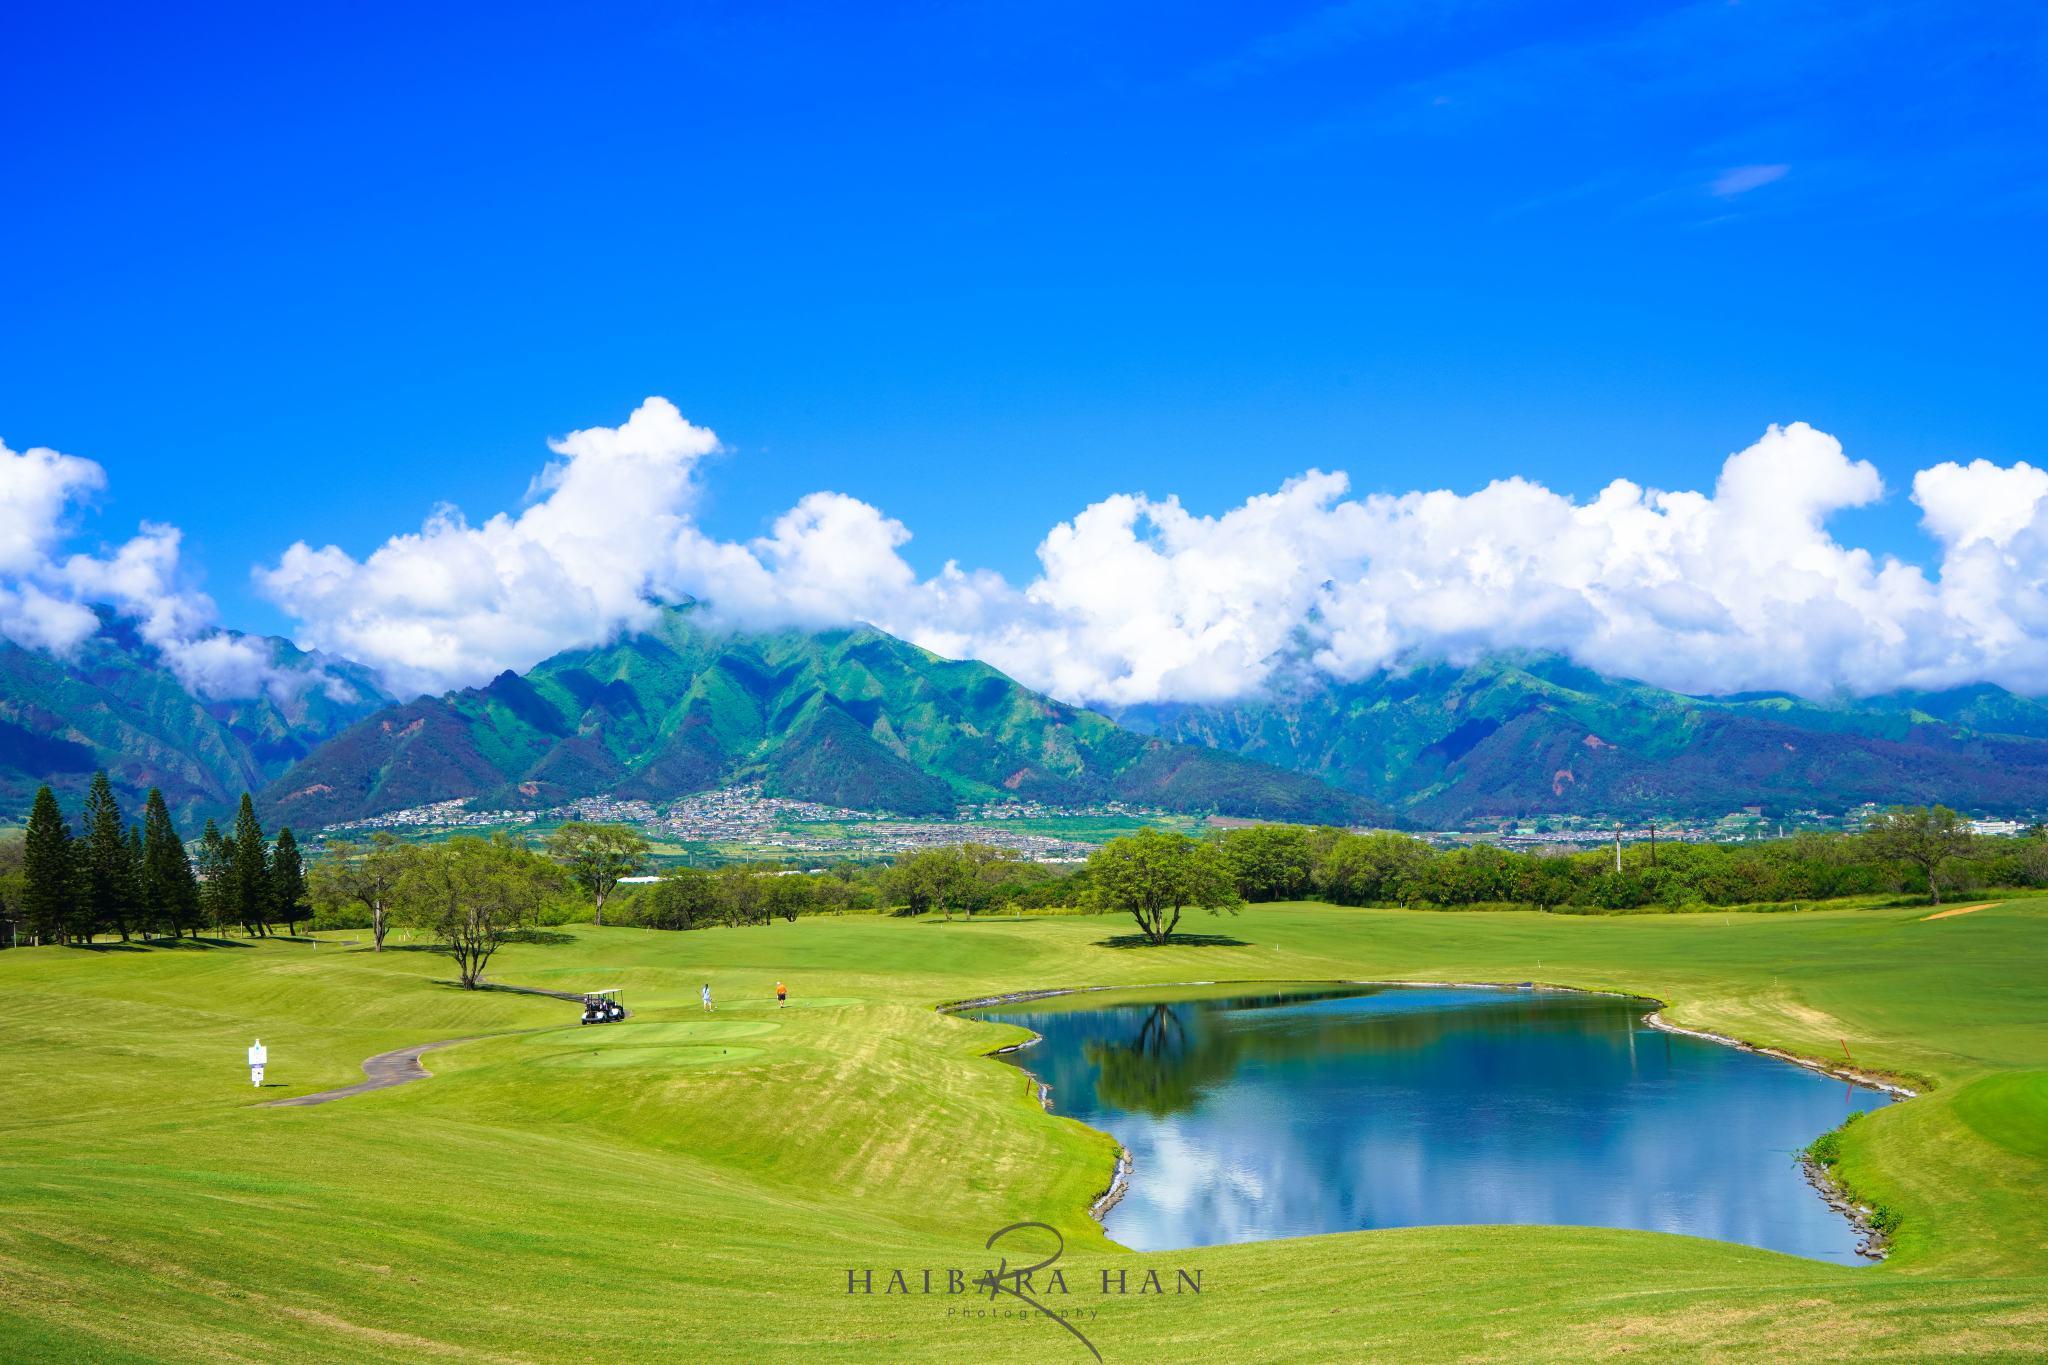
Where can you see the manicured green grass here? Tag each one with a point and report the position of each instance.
(620, 1194)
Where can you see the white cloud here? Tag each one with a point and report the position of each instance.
(1743, 178)
(1140, 601)
(456, 603)
(44, 599)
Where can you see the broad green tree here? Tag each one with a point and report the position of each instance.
(790, 897)
(1357, 868)
(684, 898)
(254, 897)
(468, 892)
(288, 881)
(912, 883)
(170, 891)
(349, 874)
(741, 897)
(596, 856)
(1270, 862)
(12, 843)
(946, 879)
(1546, 882)
(1156, 876)
(49, 891)
(1923, 837)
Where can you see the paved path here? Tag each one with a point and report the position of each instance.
(397, 1067)
(385, 1070)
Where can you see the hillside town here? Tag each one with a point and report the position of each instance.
(745, 817)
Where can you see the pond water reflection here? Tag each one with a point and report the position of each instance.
(1296, 1110)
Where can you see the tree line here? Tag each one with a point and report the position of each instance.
(1156, 877)
(469, 895)
(964, 879)
(108, 875)
(1906, 850)
(1153, 875)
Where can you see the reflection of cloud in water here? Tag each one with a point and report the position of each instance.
(1443, 1108)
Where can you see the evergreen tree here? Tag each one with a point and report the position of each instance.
(253, 894)
(138, 908)
(288, 880)
(170, 893)
(106, 870)
(216, 872)
(48, 873)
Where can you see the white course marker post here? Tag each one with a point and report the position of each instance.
(258, 1055)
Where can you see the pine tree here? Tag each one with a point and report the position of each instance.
(288, 880)
(138, 908)
(48, 872)
(99, 856)
(251, 876)
(216, 870)
(106, 876)
(170, 893)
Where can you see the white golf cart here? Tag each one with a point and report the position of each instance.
(603, 1007)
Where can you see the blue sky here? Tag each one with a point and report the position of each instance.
(303, 272)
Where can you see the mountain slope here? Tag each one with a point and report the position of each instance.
(850, 717)
(1531, 736)
(114, 705)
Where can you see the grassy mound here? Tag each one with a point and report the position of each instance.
(667, 1198)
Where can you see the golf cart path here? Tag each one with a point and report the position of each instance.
(1962, 910)
(402, 1065)
(385, 1070)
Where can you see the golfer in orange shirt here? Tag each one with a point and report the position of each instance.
(781, 996)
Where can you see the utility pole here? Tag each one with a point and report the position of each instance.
(1617, 848)
(1653, 843)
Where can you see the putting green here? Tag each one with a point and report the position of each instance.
(809, 1002)
(631, 1034)
(650, 1056)
(2010, 1110)
(697, 1201)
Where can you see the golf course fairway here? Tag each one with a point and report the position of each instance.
(693, 1188)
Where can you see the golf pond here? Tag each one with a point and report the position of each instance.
(1277, 1110)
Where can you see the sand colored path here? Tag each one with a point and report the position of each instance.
(1959, 910)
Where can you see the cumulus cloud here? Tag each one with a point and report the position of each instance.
(45, 596)
(457, 603)
(1138, 600)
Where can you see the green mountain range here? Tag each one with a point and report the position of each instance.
(859, 718)
(1531, 736)
(114, 704)
(850, 717)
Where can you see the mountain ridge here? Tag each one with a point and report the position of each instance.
(859, 718)
(1528, 735)
(851, 717)
(114, 704)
